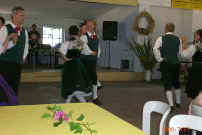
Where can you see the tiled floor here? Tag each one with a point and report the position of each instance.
(123, 99)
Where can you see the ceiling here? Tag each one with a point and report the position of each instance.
(67, 9)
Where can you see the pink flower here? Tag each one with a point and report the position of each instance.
(61, 114)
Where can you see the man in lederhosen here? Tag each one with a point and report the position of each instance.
(90, 62)
(82, 32)
(166, 51)
(11, 61)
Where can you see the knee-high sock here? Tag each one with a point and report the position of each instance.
(78, 95)
(94, 91)
(68, 100)
(169, 96)
(98, 83)
(178, 95)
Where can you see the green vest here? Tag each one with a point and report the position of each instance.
(93, 45)
(170, 48)
(15, 54)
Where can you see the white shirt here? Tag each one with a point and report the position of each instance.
(85, 39)
(157, 46)
(4, 34)
(67, 46)
(189, 52)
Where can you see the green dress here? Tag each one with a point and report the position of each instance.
(74, 76)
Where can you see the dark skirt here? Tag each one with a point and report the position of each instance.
(194, 83)
(75, 78)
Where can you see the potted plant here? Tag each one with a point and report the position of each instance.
(144, 53)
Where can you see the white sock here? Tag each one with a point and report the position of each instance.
(94, 91)
(98, 83)
(169, 96)
(68, 100)
(178, 95)
(78, 95)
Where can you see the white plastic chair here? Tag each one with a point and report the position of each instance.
(154, 106)
(190, 121)
(197, 110)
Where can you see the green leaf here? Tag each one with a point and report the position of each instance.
(57, 108)
(61, 119)
(72, 125)
(81, 117)
(91, 123)
(70, 114)
(45, 115)
(49, 108)
(78, 129)
(94, 131)
(56, 124)
(77, 125)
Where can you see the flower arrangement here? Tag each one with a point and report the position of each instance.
(61, 117)
(142, 31)
(183, 75)
(143, 52)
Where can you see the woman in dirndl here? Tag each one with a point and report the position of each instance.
(75, 80)
(194, 83)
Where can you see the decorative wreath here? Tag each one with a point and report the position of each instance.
(150, 21)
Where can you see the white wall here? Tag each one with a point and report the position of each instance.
(187, 24)
(118, 14)
(197, 20)
(163, 15)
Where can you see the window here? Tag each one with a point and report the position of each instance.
(52, 35)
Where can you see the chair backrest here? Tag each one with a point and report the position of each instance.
(197, 110)
(183, 121)
(154, 106)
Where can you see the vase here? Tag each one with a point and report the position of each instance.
(147, 75)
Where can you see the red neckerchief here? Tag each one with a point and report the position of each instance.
(94, 37)
(17, 29)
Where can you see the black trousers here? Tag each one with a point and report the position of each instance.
(11, 73)
(90, 66)
(170, 75)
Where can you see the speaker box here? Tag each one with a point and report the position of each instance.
(109, 30)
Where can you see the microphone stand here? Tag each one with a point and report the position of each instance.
(109, 60)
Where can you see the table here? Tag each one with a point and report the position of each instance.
(31, 51)
(26, 120)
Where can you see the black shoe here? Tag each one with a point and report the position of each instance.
(75, 98)
(172, 109)
(178, 105)
(97, 101)
(99, 87)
